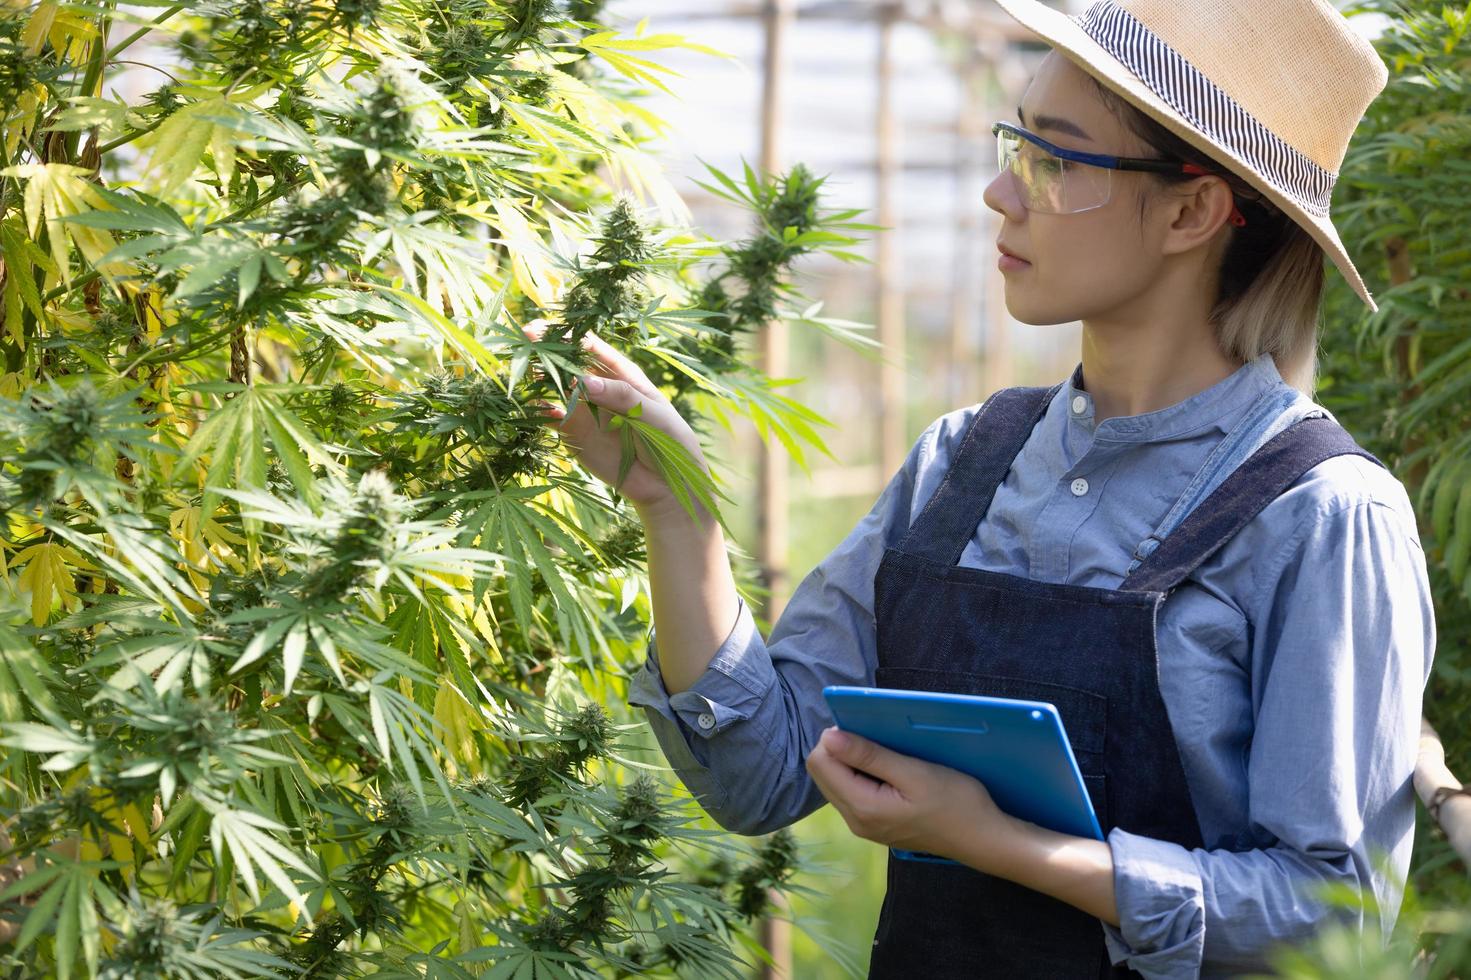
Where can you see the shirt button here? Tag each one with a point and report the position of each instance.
(1080, 405)
(706, 720)
(1080, 487)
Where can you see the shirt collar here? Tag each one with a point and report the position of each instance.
(1224, 398)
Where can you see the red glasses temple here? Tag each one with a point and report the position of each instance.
(1237, 218)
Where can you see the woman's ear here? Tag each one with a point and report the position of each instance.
(1195, 209)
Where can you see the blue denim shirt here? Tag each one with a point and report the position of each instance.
(1292, 665)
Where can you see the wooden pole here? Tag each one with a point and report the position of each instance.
(776, 937)
(771, 515)
(892, 442)
(965, 295)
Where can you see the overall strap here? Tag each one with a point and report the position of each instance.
(1254, 484)
(991, 442)
(1249, 432)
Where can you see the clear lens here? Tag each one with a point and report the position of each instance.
(1049, 184)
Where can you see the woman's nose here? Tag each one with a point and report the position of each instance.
(1000, 196)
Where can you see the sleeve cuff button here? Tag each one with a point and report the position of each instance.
(706, 721)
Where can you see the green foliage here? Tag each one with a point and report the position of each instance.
(313, 640)
(1399, 380)
(1425, 943)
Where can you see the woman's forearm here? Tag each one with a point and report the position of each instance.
(1072, 869)
(692, 590)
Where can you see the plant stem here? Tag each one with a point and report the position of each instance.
(132, 38)
(127, 138)
(91, 80)
(77, 283)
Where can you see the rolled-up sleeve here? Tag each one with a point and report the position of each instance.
(739, 736)
(731, 690)
(1341, 647)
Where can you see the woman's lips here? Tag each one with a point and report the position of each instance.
(1009, 261)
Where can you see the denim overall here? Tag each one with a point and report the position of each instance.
(1089, 651)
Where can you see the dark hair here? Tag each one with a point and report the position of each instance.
(1272, 275)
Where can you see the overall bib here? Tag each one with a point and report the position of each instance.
(1089, 651)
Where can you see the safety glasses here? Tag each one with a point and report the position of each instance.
(1053, 180)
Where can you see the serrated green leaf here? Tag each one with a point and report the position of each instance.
(292, 653)
(68, 924)
(179, 143)
(42, 912)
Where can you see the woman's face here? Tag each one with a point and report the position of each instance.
(1091, 264)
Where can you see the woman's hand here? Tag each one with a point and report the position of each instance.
(912, 804)
(918, 806)
(617, 384)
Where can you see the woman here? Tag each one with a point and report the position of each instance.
(1225, 597)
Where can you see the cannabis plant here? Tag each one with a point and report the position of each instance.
(313, 639)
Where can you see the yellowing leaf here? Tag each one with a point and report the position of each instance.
(460, 723)
(534, 273)
(55, 192)
(33, 38)
(136, 822)
(89, 850)
(24, 116)
(121, 849)
(151, 301)
(201, 540)
(48, 577)
(67, 30)
(613, 49)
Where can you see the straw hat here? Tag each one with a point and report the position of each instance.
(1273, 89)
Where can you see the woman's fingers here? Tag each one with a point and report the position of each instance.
(616, 383)
(609, 361)
(619, 366)
(868, 756)
(610, 393)
(620, 396)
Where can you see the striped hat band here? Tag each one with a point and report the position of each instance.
(1171, 77)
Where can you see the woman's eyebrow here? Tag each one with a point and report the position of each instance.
(1052, 122)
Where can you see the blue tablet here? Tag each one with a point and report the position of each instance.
(1018, 749)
